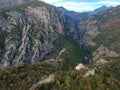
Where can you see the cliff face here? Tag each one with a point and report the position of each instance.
(27, 33)
(102, 33)
(73, 28)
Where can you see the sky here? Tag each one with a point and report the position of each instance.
(82, 5)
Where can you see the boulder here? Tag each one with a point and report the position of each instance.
(89, 73)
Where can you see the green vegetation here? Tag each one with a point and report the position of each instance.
(106, 78)
(109, 28)
(103, 80)
(3, 36)
(110, 39)
(46, 86)
(12, 34)
(35, 33)
(23, 76)
(71, 56)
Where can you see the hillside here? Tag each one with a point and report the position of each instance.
(29, 32)
(107, 77)
(43, 47)
(102, 34)
(23, 76)
(108, 24)
(34, 33)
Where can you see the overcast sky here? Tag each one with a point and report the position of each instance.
(82, 5)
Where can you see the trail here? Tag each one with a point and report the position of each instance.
(48, 79)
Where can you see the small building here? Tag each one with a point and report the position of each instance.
(80, 66)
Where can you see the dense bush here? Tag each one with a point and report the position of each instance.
(106, 79)
(23, 76)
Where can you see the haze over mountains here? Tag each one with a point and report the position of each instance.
(38, 40)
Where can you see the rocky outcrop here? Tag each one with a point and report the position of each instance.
(101, 61)
(43, 80)
(29, 33)
(103, 51)
(60, 53)
(57, 61)
(90, 31)
(89, 73)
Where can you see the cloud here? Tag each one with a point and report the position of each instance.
(52, 1)
(82, 5)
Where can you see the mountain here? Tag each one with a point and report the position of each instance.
(73, 19)
(43, 47)
(74, 16)
(29, 32)
(103, 28)
(102, 44)
(101, 34)
(62, 9)
(100, 9)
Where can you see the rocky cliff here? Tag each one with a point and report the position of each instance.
(102, 33)
(73, 28)
(27, 32)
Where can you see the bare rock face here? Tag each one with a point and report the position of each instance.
(89, 73)
(101, 61)
(27, 34)
(103, 51)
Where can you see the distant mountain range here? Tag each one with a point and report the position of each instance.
(76, 16)
(100, 9)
